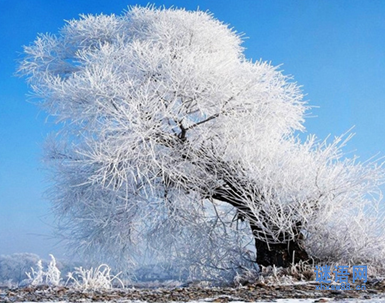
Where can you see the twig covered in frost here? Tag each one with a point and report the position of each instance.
(36, 277)
(52, 276)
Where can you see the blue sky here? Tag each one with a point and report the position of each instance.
(334, 49)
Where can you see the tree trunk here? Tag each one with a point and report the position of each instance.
(281, 254)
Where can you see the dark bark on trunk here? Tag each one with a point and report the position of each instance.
(279, 254)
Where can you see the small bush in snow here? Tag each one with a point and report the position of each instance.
(93, 279)
(39, 276)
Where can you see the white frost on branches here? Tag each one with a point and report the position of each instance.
(161, 113)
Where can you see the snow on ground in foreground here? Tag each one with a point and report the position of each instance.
(302, 301)
(277, 301)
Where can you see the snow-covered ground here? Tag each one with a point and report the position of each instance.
(277, 300)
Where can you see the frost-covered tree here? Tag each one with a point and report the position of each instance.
(170, 135)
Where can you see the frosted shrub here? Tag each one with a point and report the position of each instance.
(36, 277)
(93, 278)
(49, 277)
(86, 279)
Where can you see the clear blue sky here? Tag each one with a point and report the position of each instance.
(335, 49)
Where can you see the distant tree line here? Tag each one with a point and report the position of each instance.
(13, 267)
